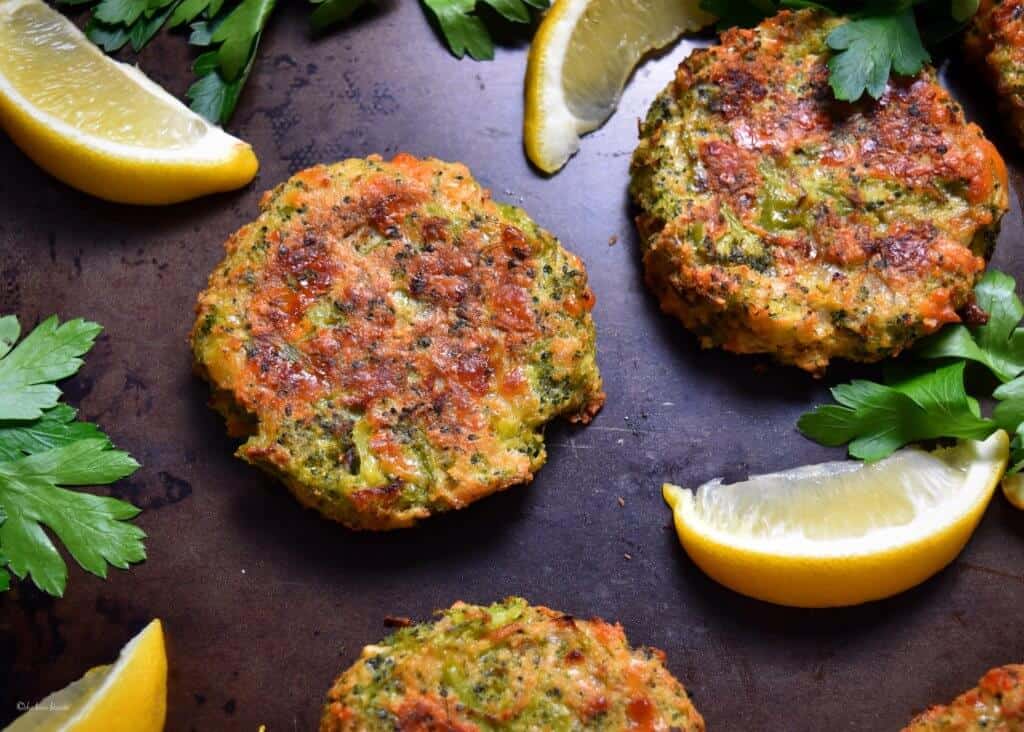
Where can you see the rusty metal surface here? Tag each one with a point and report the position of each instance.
(264, 602)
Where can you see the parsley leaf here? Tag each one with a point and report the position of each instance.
(1016, 454)
(869, 48)
(999, 343)
(57, 427)
(111, 38)
(1009, 415)
(232, 34)
(10, 329)
(466, 33)
(43, 447)
(331, 12)
(880, 37)
(143, 31)
(878, 419)
(189, 10)
(238, 34)
(116, 22)
(93, 528)
(223, 71)
(120, 12)
(49, 353)
(210, 95)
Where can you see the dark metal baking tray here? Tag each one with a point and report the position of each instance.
(264, 602)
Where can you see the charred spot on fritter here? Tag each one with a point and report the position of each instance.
(508, 666)
(778, 220)
(392, 342)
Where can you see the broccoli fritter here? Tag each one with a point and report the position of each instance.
(995, 42)
(778, 220)
(392, 342)
(995, 705)
(511, 667)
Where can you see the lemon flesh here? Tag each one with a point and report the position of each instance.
(840, 533)
(580, 59)
(129, 696)
(102, 126)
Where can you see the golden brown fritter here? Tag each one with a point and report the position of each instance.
(508, 666)
(392, 341)
(995, 42)
(995, 705)
(778, 220)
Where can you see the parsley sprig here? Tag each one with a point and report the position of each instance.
(228, 32)
(464, 29)
(230, 37)
(43, 448)
(999, 343)
(878, 38)
(925, 398)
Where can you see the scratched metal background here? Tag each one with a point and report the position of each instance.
(264, 602)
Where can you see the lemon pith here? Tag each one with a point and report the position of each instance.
(128, 696)
(102, 126)
(581, 57)
(855, 559)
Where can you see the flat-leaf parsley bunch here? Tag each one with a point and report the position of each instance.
(924, 397)
(879, 37)
(44, 448)
(229, 32)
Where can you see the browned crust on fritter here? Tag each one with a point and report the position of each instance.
(995, 43)
(545, 659)
(391, 313)
(995, 705)
(778, 220)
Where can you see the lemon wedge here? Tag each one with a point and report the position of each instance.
(581, 57)
(840, 533)
(1013, 489)
(102, 126)
(129, 696)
